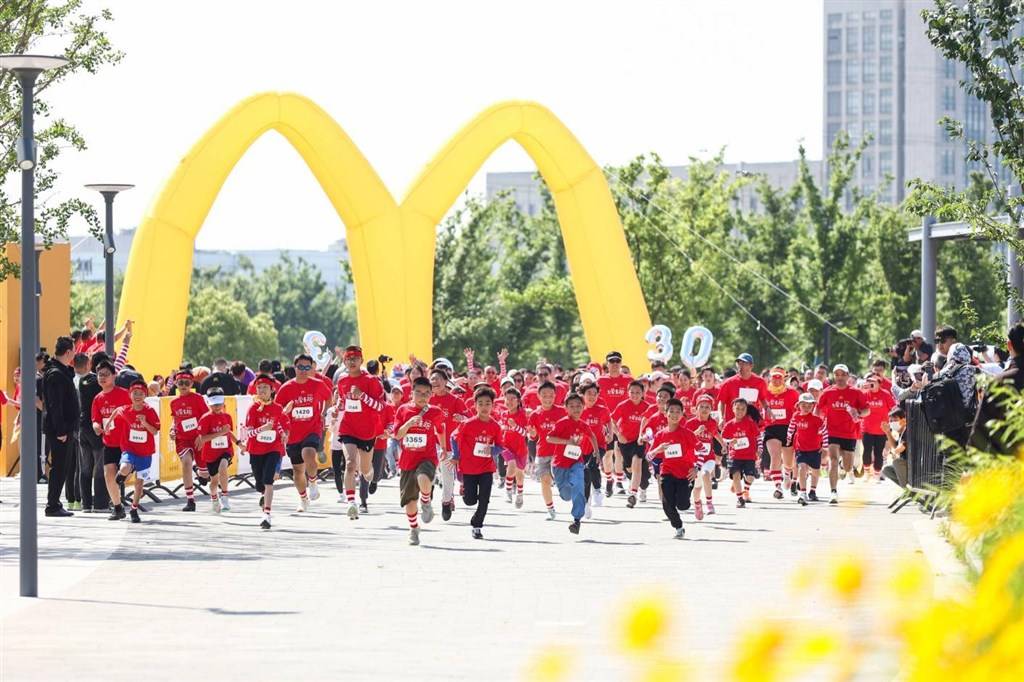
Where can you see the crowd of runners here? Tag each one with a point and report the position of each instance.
(589, 434)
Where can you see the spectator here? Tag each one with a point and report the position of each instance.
(959, 367)
(992, 407)
(90, 446)
(220, 378)
(60, 423)
(945, 337)
(242, 374)
(895, 430)
(918, 380)
(917, 351)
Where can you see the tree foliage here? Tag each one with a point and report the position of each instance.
(220, 326)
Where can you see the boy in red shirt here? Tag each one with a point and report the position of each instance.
(841, 405)
(110, 398)
(477, 438)
(363, 396)
(541, 422)
(675, 445)
(186, 409)
(304, 399)
(419, 428)
(267, 429)
(216, 439)
(599, 419)
(741, 435)
(706, 429)
(626, 419)
(571, 439)
(136, 425)
(809, 437)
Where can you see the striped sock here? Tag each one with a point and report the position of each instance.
(412, 520)
(311, 480)
(266, 509)
(302, 495)
(350, 495)
(190, 493)
(519, 488)
(135, 505)
(213, 496)
(608, 476)
(424, 498)
(708, 498)
(551, 505)
(618, 476)
(509, 482)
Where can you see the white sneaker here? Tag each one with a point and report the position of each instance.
(342, 499)
(265, 523)
(598, 497)
(680, 533)
(849, 477)
(643, 495)
(215, 507)
(833, 498)
(303, 505)
(313, 490)
(519, 500)
(551, 514)
(508, 495)
(224, 504)
(588, 512)
(353, 511)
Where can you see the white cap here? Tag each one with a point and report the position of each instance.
(841, 368)
(917, 334)
(444, 362)
(815, 384)
(914, 369)
(215, 399)
(806, 397)
(587, 378)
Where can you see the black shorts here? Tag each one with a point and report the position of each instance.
(111, 455)
(811, 458)
(364, 445)
(746, 467)
(629, 451)
(213, 468)
(294, 450)
(716, 447)
(847, 444)
(264, 467)
(777, 432)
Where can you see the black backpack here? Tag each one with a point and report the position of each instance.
(126, 377)
(943, 406)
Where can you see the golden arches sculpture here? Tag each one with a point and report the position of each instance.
(385, 238)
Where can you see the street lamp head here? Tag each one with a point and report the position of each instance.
(108, 187)
(30, 62)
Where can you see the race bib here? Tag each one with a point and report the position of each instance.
(266, 436)
(741, 443)
(573, 452)
(219, 443)
(415, 441)
(136, 436)
(482, 449)
(353, 405)
(674, 451)
(703, 450)
(302, 413)
(749, 394)
(778, 415)
(189, 424)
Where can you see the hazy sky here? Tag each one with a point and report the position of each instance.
(681, 77)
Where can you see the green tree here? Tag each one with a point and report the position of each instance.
(79, 36)
(86, 302)
(219, 325)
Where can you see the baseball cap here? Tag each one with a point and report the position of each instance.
(806, 398)
(841, 368)
(915, 369)
(614, 355)
(446, 363)
(917, 334)
(777, 372)
(587, 378)
(815, 384)
(745, 357)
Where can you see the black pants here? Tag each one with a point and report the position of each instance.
(90, 475)
(477, 490)
(60, 459)
(338, 465)
(874, 447)
(378, 471)
(591, 475)
(72, 486)
(675, 497)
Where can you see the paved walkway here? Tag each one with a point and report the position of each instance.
(321, 597)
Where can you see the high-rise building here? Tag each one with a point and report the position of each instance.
(883, 78)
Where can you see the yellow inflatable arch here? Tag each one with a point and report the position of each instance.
(385, 238)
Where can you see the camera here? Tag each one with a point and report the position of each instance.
(382, 359)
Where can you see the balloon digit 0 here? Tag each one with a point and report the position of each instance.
(687, 353)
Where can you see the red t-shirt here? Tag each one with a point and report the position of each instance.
(134, 438)
(832, 406)
(263, 442)
(741, 436)
(807, 432)
(753, 389)
(879, 402)
(627, 416)
(360, 416)
(384, 418)
(687, 397)
(679, 458)
(420, 442)
(514, 437)
(597, 418)
(531, 401)
(476, 439)
(780, 408)
(543, 421)
(103, 406)
(450, 406)
(614, 389)
(185, 413)
(705, 431)
(566, 456)
(221, 445)
(307, 415)
(656, 421)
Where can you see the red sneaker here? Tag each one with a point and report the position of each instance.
(698, 510)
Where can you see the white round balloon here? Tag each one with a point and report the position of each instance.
(661, 337)
(689, 354)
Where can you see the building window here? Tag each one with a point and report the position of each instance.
(835, 106)
(833, 130)
(885, 162)
(852, 71)
(885, 69)
(852, 39)
(949, 98)
(885, 15)
(852, 102)
(852, 17)
(948, 162)
(835, 19)
(853, 130)
(868, 75)
(835, 72)
(868, 102)
(885, 38)
(834, 45)
(950, 68)
(885, 131)
(868, 34)
(867, 166)
(885, 101)
(869, 130)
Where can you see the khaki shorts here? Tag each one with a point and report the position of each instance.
(408, 481)
(542, 467)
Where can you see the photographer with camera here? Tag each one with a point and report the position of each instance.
(911, 350)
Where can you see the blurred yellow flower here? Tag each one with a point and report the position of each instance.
(993, 603)
(665, 670)
(910, 579)
(981, 502)
(549, 665)
(758, 654)
(846, 576)
(645, 622)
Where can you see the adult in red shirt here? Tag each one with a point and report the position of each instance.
(455, 412)
(841, 405)
(810, 438)
(540, 423)
(106, 402)
(266, 426)
(615, 384)
(599, 419)
(741, 435)
(187, 407)
(879, 401)
(304, 399)
(136, 425)
(572, 439)
(744, 384)
(363, 394)
(626, 419)
(419, 428)
(676, 447)
(780, 404)
(477, 438)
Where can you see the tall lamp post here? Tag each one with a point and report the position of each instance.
(109, 191)
(26, 68)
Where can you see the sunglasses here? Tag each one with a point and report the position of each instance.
(615, 362)
(303, 368)
(183, 382)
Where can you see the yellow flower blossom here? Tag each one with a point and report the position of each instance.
(645, 623)
(846, 576)
(981, 502)
(664, 669)
(550, 665)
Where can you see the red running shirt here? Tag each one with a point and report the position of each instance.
(741, 436)
(705, 431)
(679, 458)
(103, 406)
(567, 455)
(185, 413)
(264, 442)
(879, 402)
(832, 406)
(308, 400)
(134, 438)
(476, 439)
(597, 418)
(627, 416)
(221, 444)
(420, 442)
(780, 407)
(360, 416)
(544, 421)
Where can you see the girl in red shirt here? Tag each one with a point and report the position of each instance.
(216, 438)
(741, 435)
(267, 427)
(514, 448)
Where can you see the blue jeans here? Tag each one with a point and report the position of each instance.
(570, 487)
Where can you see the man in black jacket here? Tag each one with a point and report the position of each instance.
(90, 446)
(60, 420)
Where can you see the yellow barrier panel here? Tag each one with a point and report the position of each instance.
(391, 246)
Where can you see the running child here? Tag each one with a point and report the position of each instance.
(216, 440)
(809, 436)
(675, 446)
(137, 425)
(571, 439)
(705, 428)
(267, 428)
(514, 450)
(477, 438)
(741, 435)
(419, 429)
(186, 409)
(541, 422)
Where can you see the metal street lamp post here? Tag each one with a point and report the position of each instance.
(109, 191)
(27, 68)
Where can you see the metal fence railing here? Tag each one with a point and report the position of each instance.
(925, 462)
